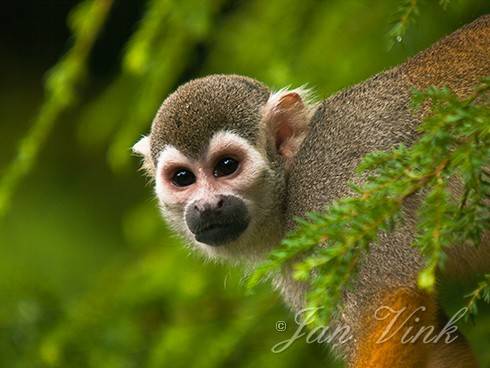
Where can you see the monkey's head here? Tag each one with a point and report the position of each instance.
(219, 151)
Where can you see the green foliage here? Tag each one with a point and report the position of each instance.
(482, 292)
(454, 146)
(407, 12)
(154, 57)
(85, 22)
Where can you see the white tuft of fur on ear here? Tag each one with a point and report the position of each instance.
(142, 147)
(286, 117)
(307, 96)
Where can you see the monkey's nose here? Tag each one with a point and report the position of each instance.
(219, 221)
(208, 206)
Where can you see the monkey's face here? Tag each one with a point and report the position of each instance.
(219, 151)
(215, 200)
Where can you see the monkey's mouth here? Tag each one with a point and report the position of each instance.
(216, 234)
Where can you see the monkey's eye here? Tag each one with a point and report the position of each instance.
(183, 178)
(226, 166)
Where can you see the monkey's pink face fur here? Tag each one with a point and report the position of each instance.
(219, 211)
(207, 186)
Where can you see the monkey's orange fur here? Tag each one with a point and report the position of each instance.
(393, 353)
(402, 346)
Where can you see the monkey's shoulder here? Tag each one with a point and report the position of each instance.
(373, 115)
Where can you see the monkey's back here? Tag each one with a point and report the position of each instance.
(376, 115)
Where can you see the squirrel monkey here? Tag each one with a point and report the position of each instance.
(233, 163)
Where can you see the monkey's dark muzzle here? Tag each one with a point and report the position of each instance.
(219, 223)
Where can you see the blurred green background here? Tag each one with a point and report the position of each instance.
(89, 274)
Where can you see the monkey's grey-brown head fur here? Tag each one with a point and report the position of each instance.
(196, 110)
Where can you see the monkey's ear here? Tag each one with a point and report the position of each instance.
(286, 116)
(142, 147)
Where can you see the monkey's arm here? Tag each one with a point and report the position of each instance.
(383, 339)
(393, 323)
(403, 339)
